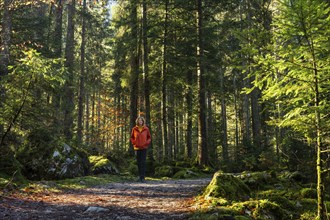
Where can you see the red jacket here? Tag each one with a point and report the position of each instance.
(140, 139)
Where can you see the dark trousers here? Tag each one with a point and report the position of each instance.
(141, 157)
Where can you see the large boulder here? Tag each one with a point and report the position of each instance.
(226, 186)
(67, 162)
(57, 161)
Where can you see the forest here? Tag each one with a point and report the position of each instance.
(234, 86)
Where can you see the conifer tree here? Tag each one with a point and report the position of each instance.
(299, 76)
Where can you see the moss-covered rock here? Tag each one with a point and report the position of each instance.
(256, 180)
(261, 209)
(102, 165)
(227, 186)
(67, 162)
(266, 209)
(185, 174)
(164, 171)
(283, 202)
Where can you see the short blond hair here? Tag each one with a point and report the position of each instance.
(138, 118)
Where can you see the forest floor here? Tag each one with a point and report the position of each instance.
(155, 199)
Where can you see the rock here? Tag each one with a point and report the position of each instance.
(66, 162)
(102, 165)
(227, 186)
(96, 209)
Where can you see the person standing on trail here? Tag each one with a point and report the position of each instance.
(141, 138)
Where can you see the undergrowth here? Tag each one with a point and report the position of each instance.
(275, 198)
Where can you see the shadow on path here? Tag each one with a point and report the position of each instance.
(167, 199)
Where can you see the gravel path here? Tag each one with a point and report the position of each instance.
(166, 199)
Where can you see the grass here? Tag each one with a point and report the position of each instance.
(60, 185)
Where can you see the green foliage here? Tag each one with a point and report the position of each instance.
(9, 165)
(296, 154)
(4, 179)
(98, 161)
(308, 193)
(26, 110)
(89, 181)
(133, 168)
(73, 183)
(298, 69)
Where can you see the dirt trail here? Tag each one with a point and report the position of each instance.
(167, 199)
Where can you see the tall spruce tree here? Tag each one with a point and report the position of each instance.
(299, 76)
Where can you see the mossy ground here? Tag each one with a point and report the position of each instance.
(271, 197)
(66, 184)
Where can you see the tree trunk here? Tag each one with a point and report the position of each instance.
(176, 133)
(321, 209)
(171, 126)
(57, 41)
(246, 121)
(236, 156)
(224, 131)
(82, 76)
(146, 73)
(211, 128)
(189, 99)
(134, 63)
(164, 84)
(202, 132)
(68, 98)
(87, 119)
(58, 29)
(256, 120)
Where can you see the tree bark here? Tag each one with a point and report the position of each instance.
(236, 154)
(68, 99)
(224, 131)
(134, 63)
(202, 132)
(164, 84)
(256, 120)
(171, 126)
(57, 42)
(321, 208)
(146, 73)
(82, 76)
(189, 99)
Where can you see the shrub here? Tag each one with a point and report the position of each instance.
(308, 193)
(164, 171)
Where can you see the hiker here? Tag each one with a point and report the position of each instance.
(141, 138)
